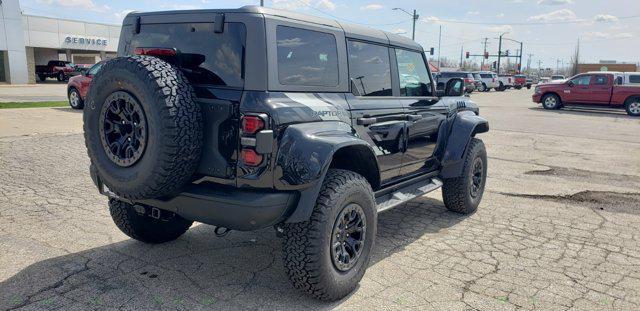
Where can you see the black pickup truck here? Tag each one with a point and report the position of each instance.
(253, 117)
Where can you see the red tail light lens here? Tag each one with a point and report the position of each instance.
(155, 51)
(252, 124)
(250, 157)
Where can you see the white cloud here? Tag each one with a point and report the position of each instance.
(173, 6)
(605, 18)
(297, 4)
(400, 31)
(555, 16)
(554, 2)
(430, 19)
(473, 13)
(501, 28)
(500, 15)
(83, 4)
(122, 14)
(372, 6)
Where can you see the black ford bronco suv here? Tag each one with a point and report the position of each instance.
(252, 118)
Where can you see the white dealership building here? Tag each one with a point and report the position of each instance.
(27, 41)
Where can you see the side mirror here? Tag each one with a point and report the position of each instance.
(454, 87)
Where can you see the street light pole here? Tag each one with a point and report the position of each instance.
(499, 52)
(261, 2)
(414, 17)
(439, 41)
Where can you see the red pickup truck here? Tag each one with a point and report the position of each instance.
(589, 89)
(58, 69)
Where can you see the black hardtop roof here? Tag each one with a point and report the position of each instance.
(351, 30)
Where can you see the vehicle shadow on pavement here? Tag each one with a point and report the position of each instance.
(600, 112)
(199, 271)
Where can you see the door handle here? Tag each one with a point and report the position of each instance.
(402, 117)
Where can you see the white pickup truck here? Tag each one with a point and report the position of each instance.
(504, 82)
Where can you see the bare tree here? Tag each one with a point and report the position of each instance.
(575, 60)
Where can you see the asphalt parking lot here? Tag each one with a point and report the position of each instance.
(557, 229)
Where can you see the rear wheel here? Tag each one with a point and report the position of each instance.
(145, 224)
(551, 101)
(482, 87)
(327, 255)
(633, 106)
(75, 101)
(61, 76)
(500, 87)
(142, 127)
(42, 78)
(463, 194)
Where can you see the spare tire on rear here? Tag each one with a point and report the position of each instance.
(142, 127)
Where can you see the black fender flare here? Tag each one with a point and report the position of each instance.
(466, 124)
(304, 156)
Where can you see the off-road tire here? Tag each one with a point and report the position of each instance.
(60, 76)
(144, 228)
(174, 130)
(306, 245)
(42, 78)
(632, 111)
(548, 106)
(80, 102)
(457, 192)
(501, 87)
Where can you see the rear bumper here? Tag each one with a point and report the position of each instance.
(233, 208)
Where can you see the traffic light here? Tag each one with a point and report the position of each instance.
(486, 55)
(432, 51)
(494, 65)
(506, 53)
(467, 54)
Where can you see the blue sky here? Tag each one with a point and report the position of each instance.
(608, 30)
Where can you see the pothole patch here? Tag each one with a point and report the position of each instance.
(615, 202)
(582, 175)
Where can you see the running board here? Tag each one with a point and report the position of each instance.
(407, 193)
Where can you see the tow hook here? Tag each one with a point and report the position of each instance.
(221, 231)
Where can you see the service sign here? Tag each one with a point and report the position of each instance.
(85, 41)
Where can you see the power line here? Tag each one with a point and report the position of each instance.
(578, 21)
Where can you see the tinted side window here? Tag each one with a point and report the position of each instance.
(634, 78)
(600, 80)
(414, 77)
(581, 80)
(369, 68)
(306, 57)
(205, 57)
(93, 70)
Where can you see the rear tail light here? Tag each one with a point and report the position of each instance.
(250, 157)
(252, 124)
(155, 51)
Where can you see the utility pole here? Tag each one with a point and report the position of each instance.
(439, 42)
(461, 52)
(539, 67)
(484, 53)
(520, 61)
(529, 61)
(414, 17)
(499, 52)
(557, 66)
(261, 2)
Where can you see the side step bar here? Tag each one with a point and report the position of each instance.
(409, 192)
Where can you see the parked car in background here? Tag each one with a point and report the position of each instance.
(535, 79)
(477, 80)
(488, 79)
(58, 69)
(558, 77)
(504, 82)
(528, 83)
(445, 76)
(519, 81)
(78, 86)
(544, 80)
(589, 89)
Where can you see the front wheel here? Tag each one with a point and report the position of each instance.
(464, 193)
(327, 255)
(633, 106)
(61, 77)
(550, 101)
(75, 101)
(482, 87)
(144, 224)
(500, 88)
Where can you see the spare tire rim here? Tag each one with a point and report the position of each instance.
(123, 128)
(477, 175)
(348, 237)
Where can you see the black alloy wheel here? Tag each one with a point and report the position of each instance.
(348, 237)
(123, 129)
(477, 178)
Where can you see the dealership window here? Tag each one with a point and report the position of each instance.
(306, 57)
(369, 68)
(413, 75)
(205, 57)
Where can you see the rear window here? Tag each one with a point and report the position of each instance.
(206, 57)
(634, 79)
(520, 76)
(453, 75)
(306, 57)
